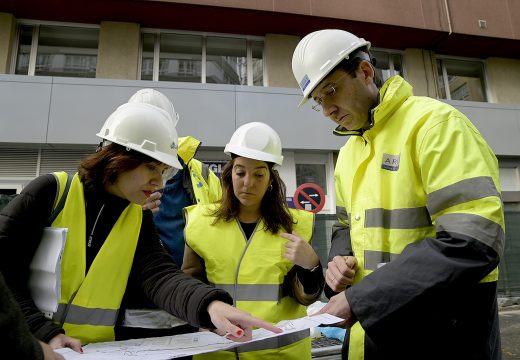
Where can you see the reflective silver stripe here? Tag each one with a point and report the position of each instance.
(461, 192)
(475, 226)
(253, 292)
(273, 343)
(79, 315)
(374, 259)
(342, 214)
(410, 218)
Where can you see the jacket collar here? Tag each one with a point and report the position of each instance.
(188, 147)
(392, 94)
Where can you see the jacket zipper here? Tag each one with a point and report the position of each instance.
(89, 243)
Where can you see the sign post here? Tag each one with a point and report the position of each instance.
(309, 197)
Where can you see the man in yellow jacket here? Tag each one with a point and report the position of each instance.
(418, 200)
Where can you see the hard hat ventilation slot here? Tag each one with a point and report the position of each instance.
(148, 145)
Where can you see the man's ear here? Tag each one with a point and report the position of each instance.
(368, 71)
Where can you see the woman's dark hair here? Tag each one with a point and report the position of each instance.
(102, 167)
(273, 209)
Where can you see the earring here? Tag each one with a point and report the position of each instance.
(270, 188)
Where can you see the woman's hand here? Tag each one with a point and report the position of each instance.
(300, 252)
(63, 341)
(48, 353)
(153, 202)
(237, 325)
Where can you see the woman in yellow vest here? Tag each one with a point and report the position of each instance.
(111, 242)
(254, 247)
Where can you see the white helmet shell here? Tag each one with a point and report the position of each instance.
(144, 128)
(156, 98)
(318, 53)
(258, 141)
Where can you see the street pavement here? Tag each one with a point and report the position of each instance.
(510, 332)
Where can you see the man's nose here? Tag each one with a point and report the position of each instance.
(328, 108)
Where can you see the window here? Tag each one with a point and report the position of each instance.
(312, 173)
(202, 59)
(10, 189)
(460, 79)
(509, 279)
(509, 267)
(388, 63)
(316, 169)
(180, 58)
(57, 51)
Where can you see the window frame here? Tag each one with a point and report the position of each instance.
(510, 195)
(327, 159)
(442, 58)
(204, 35)
(391, 65)
(35, 40)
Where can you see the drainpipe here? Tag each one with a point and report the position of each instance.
(448, 16)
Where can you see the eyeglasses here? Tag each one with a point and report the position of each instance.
(327, 92)
(166, 172)
(169, 173)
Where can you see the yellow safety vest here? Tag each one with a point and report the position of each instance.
(252, 272)
(89, 304)
(380, 188)
(205, 184)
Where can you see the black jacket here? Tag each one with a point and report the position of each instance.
(15, 337)
(21, 224)
(445, 322)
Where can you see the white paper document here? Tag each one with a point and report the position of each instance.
(44, 277)
(170, 347)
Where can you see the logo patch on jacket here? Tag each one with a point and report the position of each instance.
(390, 162)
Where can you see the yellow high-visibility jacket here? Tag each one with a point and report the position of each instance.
(205, 184)
(420, 195)
(252, 271)
(88, 305)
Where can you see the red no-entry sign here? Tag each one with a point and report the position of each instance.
(309, 197)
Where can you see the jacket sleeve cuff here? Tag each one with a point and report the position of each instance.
(204, 319)
(312, 281)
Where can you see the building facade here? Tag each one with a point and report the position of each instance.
(64, 66)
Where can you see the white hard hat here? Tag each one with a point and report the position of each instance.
(318, 53)
(144, 128)
(258, 141)
(157, 98)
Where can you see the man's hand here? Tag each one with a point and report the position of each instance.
(340, 272)
(237, 324)
(339, 306)
(153, 202)
(63, 341)
(299, 251)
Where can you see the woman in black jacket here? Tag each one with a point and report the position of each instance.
(111, 242)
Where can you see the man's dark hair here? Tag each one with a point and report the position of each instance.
(352, 64)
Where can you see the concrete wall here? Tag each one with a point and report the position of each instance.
(503, 80)
(118, 54)
(424, 14)
(72, 110)
(278, 58)
(420, 71)
(7, 34)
